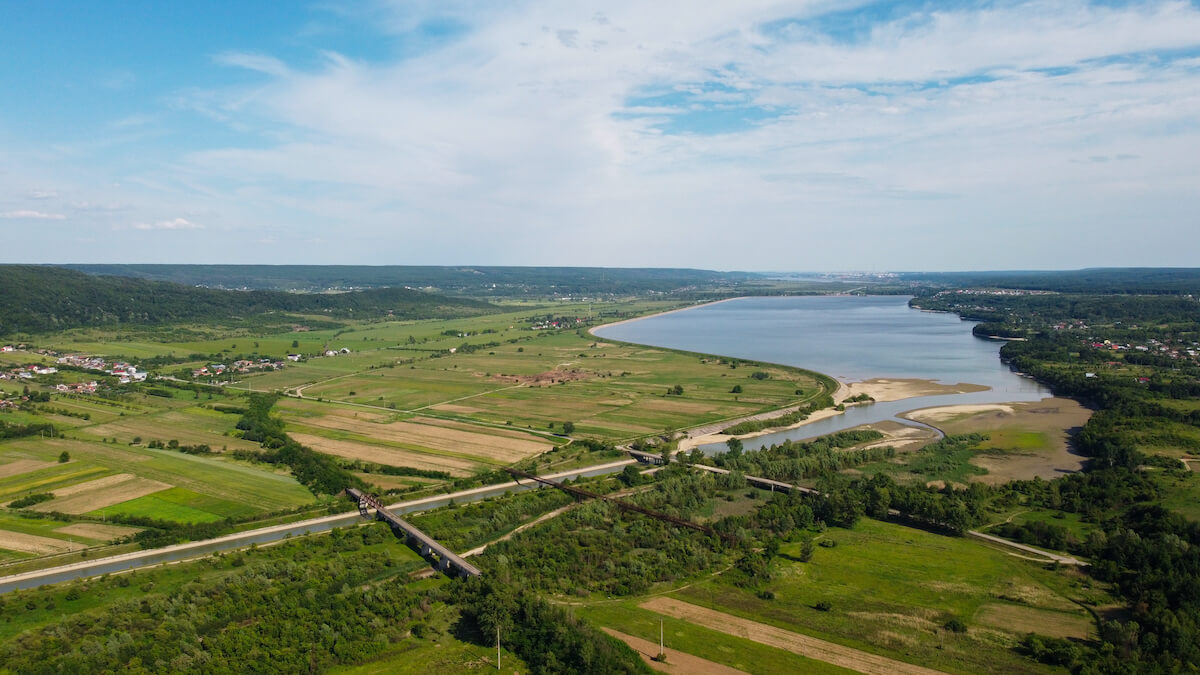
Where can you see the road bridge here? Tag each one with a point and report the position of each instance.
(442, 558)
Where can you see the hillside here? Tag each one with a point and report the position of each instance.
(38, 299)
(463, 280)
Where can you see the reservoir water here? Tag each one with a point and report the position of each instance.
(851, 338)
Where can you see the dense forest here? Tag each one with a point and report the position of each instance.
(469, 281)
(39, 299)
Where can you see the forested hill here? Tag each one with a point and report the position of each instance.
(35, 299)
(1146, 280)
(464, 280)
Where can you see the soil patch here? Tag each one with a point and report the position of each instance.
(504, 449)
(93, 485)
(22, 466)
(90, 500)
(31, 543)
(98, 531)
(677, 661)
(813, 648)
(383, 455)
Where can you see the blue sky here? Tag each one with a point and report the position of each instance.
(751, 135)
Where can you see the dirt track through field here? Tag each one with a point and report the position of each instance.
(677, 661)
(813, 648)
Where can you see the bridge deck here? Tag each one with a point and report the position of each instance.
(448, 557)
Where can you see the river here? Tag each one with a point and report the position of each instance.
(851, 338)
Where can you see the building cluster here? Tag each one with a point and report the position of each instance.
(1152, 346)
(77, 387)
(125, 372)
(241, 366)
(27, 372)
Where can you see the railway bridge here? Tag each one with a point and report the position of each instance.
(442, 558)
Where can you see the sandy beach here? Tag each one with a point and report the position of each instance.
(883, 389)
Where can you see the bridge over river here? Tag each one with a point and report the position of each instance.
(442, 558)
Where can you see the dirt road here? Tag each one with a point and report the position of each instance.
(810, 647)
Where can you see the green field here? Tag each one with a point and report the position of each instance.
(891, 589)
(735, 652)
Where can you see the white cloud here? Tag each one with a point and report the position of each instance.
(653, 135)
(24, 214)
(42, 194)
(173, 224)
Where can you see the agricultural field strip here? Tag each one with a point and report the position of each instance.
(382, 454)
(427, 438)
(109, 495)
(12, 487)
(336, 434)
(797, 643)
(32, 543)
(21, 466)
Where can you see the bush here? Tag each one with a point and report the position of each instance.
(30, 500)
(823, 606)
(955, 625)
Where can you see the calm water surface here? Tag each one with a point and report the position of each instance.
(851, 338)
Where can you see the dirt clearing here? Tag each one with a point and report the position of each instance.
(677, 661)
(108, 495)
(821, 650)
(22, 466)
(31, 543)
(98, 531)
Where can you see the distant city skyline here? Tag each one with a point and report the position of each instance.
(757, 135)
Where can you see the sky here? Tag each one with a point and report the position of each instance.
(748, 135)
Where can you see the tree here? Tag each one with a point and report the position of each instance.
(677, 390)
(568, 427)
(737, 389)
(295, 344)
(64, 457)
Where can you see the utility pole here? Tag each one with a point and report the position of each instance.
(497, 647)
(662, 651)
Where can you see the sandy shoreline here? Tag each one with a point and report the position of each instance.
(593, 329)
(896, 389)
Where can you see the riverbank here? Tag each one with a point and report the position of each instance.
(622, 322)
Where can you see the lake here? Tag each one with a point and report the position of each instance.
(851, 338)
